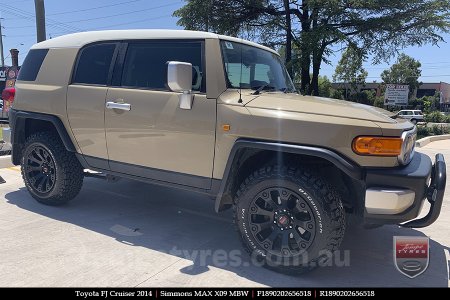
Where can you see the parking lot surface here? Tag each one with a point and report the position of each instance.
(133, 234)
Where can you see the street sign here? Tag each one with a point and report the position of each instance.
(396, 94)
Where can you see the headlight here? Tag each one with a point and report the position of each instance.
(377, 146)
(402, 147)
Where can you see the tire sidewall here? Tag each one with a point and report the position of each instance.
(260, 255)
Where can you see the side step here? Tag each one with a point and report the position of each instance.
(99, 175)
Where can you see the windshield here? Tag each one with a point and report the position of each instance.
(249, 67)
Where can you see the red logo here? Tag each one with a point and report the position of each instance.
(12, 74)
(283, 220)
(411, 255)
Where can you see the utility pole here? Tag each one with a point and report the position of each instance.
(2, 55)
(40, 20)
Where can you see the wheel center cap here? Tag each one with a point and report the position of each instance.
(283, 220)
(45, 169)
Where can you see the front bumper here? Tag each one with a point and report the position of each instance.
(402, 191)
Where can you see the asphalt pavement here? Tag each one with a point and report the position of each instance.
(133, 234)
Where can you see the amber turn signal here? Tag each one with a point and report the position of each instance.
(378, 146)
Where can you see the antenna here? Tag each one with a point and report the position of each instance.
(240, 77)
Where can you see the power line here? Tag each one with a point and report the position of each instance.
(24, 14)
(32, 19)
(106, 17)
(103, 27)
(98, 7)
(133, 22)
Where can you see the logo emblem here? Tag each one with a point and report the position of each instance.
(12, 74)
(411, 255)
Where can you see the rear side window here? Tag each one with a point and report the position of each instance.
(32, 64)
(146, 63)
(93, 64)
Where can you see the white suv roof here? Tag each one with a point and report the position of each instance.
(78, 40)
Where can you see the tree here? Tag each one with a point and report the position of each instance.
(382, 27)
(406, 70)
(350, 69)
(325, 87)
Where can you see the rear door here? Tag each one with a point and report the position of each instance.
(86, 100)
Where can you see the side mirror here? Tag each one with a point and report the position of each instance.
(179, 79)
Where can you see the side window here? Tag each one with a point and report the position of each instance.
(93, 64)
(32, 64)
(145, 64)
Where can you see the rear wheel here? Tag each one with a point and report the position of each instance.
(289, 220)
(414, 121)
(52, 175)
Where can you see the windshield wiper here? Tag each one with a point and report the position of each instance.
(265, 86)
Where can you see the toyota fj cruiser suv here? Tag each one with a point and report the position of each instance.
(217, 115)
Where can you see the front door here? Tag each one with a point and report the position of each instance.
(147, 133)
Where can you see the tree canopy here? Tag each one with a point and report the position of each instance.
(379, 27)
(350, 68)
(406, 70)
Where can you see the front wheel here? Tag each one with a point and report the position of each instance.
(289, 220)
(52, 175)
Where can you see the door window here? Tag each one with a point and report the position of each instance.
(94, 64)
(145, 64)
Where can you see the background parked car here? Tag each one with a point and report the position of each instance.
(412, 115)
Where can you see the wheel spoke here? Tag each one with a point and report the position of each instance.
(296, 236)
(40, 154)
(34, 159)
(47, 184)
(42, 182)
(285, 240)
(273, 202)
(264, 212)
(33, 168)
(262, 226)
(271, 238)
(36, 180)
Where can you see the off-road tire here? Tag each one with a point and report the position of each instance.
(316, 196)
(63, 170)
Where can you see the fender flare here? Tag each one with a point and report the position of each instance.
(224, 201)
(17, 120)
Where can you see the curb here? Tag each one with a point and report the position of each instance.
(426, 140)
(5, 161)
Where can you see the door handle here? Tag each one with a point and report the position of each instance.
(121, 106)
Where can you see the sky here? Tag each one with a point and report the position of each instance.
(67, 16)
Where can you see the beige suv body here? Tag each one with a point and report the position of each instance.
(217, 115)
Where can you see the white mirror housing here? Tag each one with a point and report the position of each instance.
(179, 76)
(179, 79)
